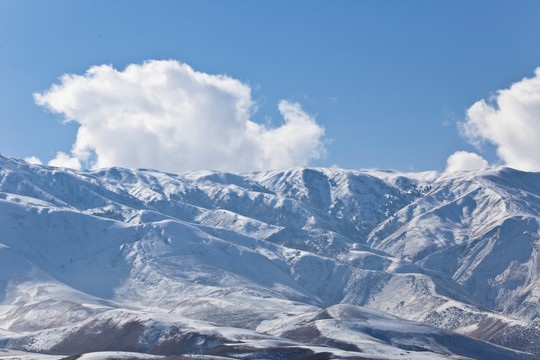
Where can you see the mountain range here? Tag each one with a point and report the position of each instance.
(306, 263)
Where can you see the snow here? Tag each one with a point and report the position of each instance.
(256, 252)
(116, 355)
(7, 354)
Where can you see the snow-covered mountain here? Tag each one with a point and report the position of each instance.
(308, 263)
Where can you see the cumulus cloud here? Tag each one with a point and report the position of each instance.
(64, 160)
(463, 160)
(33, 160)
(511, 121)
(165, 115)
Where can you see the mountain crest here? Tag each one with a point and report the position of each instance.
(292, 259)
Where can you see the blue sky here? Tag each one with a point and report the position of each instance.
(388, 80)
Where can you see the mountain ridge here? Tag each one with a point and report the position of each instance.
(454, 251)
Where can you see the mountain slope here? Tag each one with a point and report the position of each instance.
(116, 249)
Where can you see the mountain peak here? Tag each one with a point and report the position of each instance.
(117, 249)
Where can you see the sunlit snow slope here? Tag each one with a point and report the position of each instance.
(308, 263)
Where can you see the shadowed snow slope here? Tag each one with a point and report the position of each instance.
(308, 263)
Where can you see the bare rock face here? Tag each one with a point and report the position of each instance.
(305, 263)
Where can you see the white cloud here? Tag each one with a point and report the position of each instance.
(64, 160)
(463, 160)
(33, 160)
(511, 121)
(165, 115)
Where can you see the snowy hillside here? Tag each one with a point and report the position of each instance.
(308, 263)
